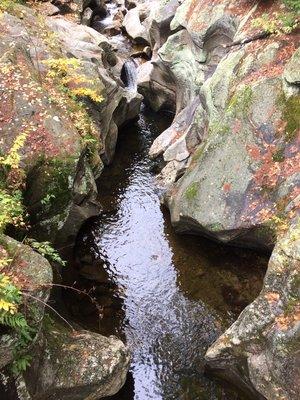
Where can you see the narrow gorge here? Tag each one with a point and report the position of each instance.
(149, 200)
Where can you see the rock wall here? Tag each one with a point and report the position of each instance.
(232, 163)
(61, 159)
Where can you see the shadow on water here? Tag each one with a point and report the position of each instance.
(168, 296)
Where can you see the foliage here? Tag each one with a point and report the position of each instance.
(66, 71)
(12, 213)
(46, 250)
(8, 5)
(11, 209)
(277, 23)
(72, 86)
(293, 4)
(10, 317)
(13, 158)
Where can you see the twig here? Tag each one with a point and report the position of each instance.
(51, 308)
(75, 290)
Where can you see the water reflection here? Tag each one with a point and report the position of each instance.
(172, 290)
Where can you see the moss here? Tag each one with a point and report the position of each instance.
(219, 127)
(199, 152)
(291, 306)
(291, 116)
(191, 191)
(278, 156)
(58, 183)
(216, 227)
(240, 102)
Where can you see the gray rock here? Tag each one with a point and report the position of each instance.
(134, 27)
(261, 349)
(76, 365)
(87, 16)
(292, 69)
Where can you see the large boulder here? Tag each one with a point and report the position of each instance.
(76, 365)
(261, 349)
(136, 24)
(242, 184)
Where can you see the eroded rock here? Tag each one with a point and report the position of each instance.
(262, 347)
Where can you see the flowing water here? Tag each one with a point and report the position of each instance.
(169, 297)
(129, 74)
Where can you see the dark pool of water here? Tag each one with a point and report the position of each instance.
(168, 296)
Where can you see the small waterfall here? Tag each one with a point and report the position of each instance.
(129, 74)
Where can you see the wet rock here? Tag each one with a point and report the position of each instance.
(157, 86)
(260, 349)
(76, 365)
(129, 4)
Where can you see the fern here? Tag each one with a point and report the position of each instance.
(46, 250)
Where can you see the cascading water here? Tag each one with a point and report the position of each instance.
(129, 74)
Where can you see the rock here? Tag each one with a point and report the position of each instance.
(261, 348)
(161, 15)
(33, 273)
(76, 365)
(134, 27)
(86, 17)
(239, 178)
(129, 4)
(60, 165)
(146, 53)
(156, 87)
(292, 69)
(235, 139)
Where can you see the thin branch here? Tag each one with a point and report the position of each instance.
(51, 308)
(50, 285)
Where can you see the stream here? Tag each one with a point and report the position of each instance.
(168, 296)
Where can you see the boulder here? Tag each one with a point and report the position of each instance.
(242, 184)
(76, 365)
(33, 273)
(161, 15)
(135, 28)
(261, 349)
(291, 71)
